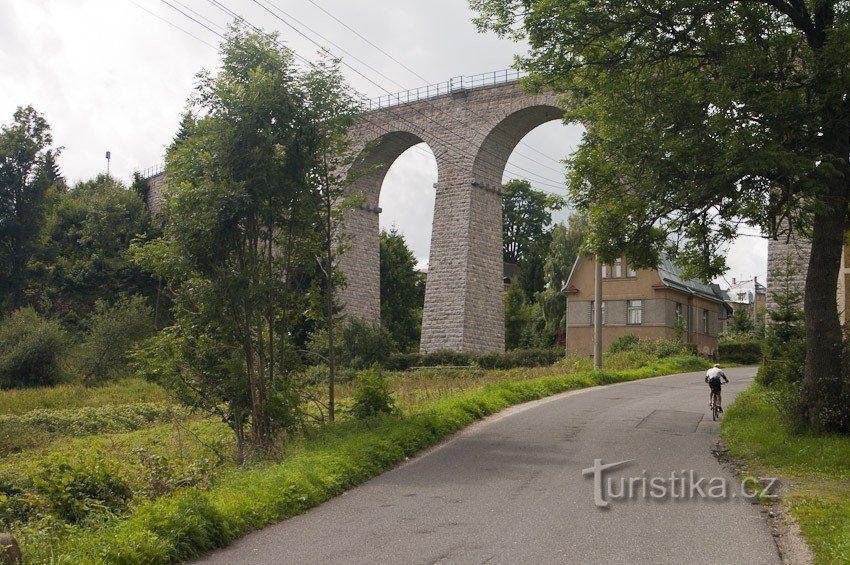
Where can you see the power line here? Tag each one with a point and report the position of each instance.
(175, 26)
(238, 17)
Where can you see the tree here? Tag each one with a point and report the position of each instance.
(516, 316)
(526, 217)
(330, 111)
(401, 300)
(566, 241)
(741, 322)
(240, 212)
(705, 115)
(83, 256)
(27, 170)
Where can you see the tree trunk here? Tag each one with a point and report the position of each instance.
(823, 378)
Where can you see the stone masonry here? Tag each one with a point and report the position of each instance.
(779, 251)
(472, 133)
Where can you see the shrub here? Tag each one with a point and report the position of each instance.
(446, 357)
(402, 361)
(655, 347)
(30, 349)
(359, 344)
(740, 352)
(114, 329)
(628, 342)
(74, 490)
(372, 396)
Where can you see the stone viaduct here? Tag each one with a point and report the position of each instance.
(472, 125)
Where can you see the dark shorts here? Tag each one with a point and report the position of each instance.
(714, 384)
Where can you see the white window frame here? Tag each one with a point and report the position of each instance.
(618, 268)
(634, 312)
(704, 321)
(630, 271)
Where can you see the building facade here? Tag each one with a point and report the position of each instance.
(749, 295)
(643, 302)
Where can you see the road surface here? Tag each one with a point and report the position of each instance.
(511, 489)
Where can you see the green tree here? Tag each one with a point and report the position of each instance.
(563, 251)
(706, 115)
(526, 220)
(245, 191)
(27, 170)
(401, 300)
(741, 322)
(84, 254)
(517, 316)
(330, 112)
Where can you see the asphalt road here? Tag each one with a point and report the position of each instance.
(511, 490)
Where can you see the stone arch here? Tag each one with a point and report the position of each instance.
(361, 262)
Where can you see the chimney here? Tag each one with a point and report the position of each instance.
(733, 281)
(755, 281)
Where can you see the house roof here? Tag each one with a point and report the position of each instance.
(671, 277)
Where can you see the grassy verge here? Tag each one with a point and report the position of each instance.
(193, 520)
(70, 396)
(815, 470)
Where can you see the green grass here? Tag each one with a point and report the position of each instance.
(125, 391)
(190, 521)
(815, 469)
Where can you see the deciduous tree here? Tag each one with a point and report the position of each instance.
(705, 115)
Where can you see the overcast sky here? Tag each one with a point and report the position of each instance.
(115, 74)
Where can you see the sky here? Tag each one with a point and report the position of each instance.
(114, 75)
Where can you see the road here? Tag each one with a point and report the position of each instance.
(511, 490)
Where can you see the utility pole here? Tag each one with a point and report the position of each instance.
(597, 316)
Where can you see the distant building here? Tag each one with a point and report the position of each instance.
(510, 274)
(643, 302)
(749, 295)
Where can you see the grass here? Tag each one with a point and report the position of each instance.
(125, 391)
(191, 520)
(814, 468)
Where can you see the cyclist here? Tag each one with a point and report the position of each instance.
(712, 377)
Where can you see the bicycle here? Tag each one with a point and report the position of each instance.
(715, 407)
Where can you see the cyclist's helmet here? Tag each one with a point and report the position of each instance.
(717, 365)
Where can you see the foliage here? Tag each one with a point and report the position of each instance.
(401, 301)
(73, 490)
(360, 344)
(248, 183)
(516, 316)
(113, 331)
(70, 396)
(659, 348)
(511, 359)
(785, 340)
(691, 137)
(30, 350)
(372, 396)
(526, 217)
(18, 432)
(84, 257)
(563, 251)
(191, 521)
(27, 171)
(741, 321)
(744, 352)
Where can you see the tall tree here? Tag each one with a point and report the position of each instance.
(241, 208)
(401, 299)
(27, 170)
(564, 248)
(526, 220)
(706, 115)
(84, 254)
(330, 112)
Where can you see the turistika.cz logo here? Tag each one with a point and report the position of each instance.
(680, 484)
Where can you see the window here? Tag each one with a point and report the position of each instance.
(635, 308)
(618, 268)
(680, 316)
(704, 321)
(593, 313)
(604, 271)
(631, 272)
(742, 296)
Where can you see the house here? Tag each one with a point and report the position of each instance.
(643, 302)
(749, 295)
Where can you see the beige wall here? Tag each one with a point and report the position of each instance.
(658, 311)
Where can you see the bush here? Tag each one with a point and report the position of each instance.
(372, 396)
(402, 361)
(740, 352)
(359, 344)
(446, 357)
(75, 490)
(654, 347)
(113, 331)
(30, 349)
